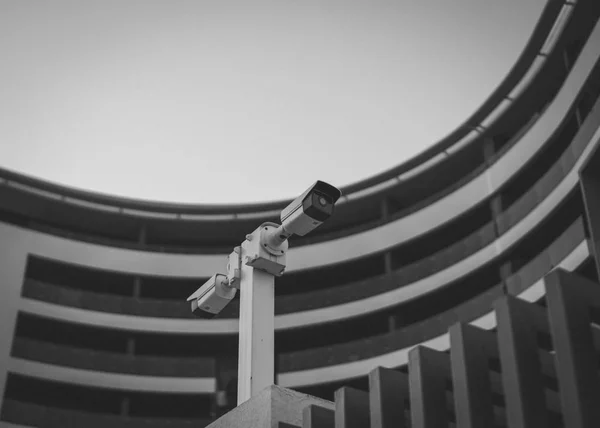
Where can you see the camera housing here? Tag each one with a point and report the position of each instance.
(309, 210)
(212, 297)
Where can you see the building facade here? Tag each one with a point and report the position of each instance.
(94, 327)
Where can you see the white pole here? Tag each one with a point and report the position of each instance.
(257, 325)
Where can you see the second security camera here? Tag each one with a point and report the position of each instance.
(212, 297)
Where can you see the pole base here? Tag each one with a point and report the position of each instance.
(268, 408)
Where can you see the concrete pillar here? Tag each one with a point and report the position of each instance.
(387, 261)
(125, 406)
(428, 373)
(506, 271)
(130, 346)
(488, 150)
(496, 209)
(388, 396)
(470, 353)
(385, 209)
(566, 60)
(13, 259)
(589, 181)
(522, 378)
(496, 202)
(142, 238)
(137, 287)
(391, 323)
(351, 408)
(578, 117)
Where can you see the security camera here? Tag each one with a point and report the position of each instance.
(212, 297)
(310, 209)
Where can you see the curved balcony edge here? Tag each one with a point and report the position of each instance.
(120, 381)
(110, 362)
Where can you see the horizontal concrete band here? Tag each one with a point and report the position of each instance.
(120, 381)
(360, 244)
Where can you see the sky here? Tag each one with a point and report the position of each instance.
(235, 101)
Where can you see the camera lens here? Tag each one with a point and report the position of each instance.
(322, 201)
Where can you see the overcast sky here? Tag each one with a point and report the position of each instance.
(213, 101)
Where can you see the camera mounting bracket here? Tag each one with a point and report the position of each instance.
(234, 261)
(261, 255)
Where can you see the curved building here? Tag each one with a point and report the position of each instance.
(94, 327)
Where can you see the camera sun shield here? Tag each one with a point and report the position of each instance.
(310, 209)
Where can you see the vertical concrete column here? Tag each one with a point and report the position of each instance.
(351, 408)
(385, 208)
(315, 416)
(506, 271)
(566, 60)
(388, 396)
(13, 259)
(488, 150)
(130, 346)
(569, 298)
(496, 209)
(387, 261)
(392, 323)
(578, 117)
(522, 378)
(428, 372)
(143, 235)
(387, 258)
(496, 202)
(470, 352)
(589, 180)
(137, 287)
(125, 406)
